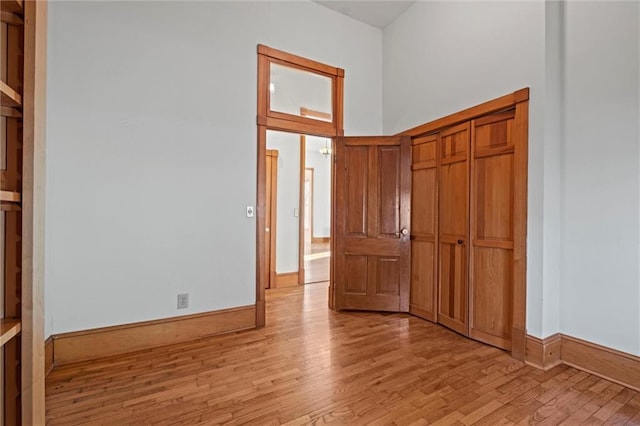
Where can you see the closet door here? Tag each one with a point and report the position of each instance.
(492, 229)
(424, 227)
(453, 230)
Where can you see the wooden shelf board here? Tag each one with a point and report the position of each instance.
(12, 6)
(9, 207)
(10, 18)
(9, 97)
(10, 112)
(9, 328)
(11, 196)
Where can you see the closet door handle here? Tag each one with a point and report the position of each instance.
(404, 231)
(460, 242)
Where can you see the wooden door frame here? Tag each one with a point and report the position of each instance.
(272, 120)
(311, 196)
(271, 278)
(518, 101)
(301, 211)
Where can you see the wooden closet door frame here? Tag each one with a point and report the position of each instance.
(518, 100)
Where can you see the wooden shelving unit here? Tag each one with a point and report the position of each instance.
(23, 47)
(12, 82)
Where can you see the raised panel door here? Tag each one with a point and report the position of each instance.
(453, 227)
(372, 211)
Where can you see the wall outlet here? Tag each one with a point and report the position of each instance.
(183, 301)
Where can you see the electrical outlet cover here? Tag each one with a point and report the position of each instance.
(183, 301)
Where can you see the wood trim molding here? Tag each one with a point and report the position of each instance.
(610, 364)
(494, 105)
(320, 240)
(32, 392)
(48, 355)
(302, 210)
(306, 112)
(543, 353)
(613, 365)
(299, 61)
(288, 279)
(108, 341)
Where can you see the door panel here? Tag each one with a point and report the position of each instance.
(453, 194)
(491, 316)
(424, 202)
(356, 275)
(387, 275)
(372, 193)
(389, 163)
(492, 230)
(356, 199)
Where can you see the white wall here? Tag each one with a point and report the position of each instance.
(321, 185)
(151, 148)
(288, 199)
(600, 280)
(441, 57)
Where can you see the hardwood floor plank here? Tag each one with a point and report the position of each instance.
(310, 365)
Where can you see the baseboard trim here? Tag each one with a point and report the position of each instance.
(610, 364)
(48, 355)
(320, 239)
(117, 340)
(543, 353)
(289, 279)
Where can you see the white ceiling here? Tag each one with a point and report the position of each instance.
(376, 13)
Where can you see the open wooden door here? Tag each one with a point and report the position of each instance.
(372, 264)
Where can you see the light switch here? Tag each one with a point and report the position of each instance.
(296, 212)
(249, 211)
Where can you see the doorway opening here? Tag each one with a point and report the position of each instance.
(316, 201)
(296, 96)
(298, 209)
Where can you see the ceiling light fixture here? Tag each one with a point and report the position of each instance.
(325, 150)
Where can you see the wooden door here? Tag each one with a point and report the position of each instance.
(492, 229)
(453, 175)
(372, 212)
(424, 227)
(270, 217)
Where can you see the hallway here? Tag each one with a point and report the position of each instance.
(314, 365)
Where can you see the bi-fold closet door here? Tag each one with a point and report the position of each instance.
(463, 228)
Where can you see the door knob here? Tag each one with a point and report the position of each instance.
(404, 231)
(460, 241)
(267, 229)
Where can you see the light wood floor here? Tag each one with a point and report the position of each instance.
(312, 365)
(317, 262)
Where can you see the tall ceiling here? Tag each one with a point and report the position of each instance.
(376, 13)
